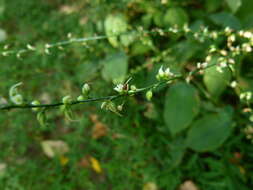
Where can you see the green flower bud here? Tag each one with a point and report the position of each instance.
(149, 95)
(17, 99)
(80, 98)
(133, 88)
(120, 107)
(66, 100)
(35, 103)
(85, 89)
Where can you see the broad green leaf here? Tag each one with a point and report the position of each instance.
(215, 81)
(225, 19)
(115, 25)
(115, 67)
(176, 16)
(234, 5)
(181, 106)
(209, 132)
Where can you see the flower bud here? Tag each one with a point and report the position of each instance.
(149, 95)
(85, 89)
(103, 105)
(35, 103)
(66, 100)
(17, 99)
(120, 107)
(80, 98)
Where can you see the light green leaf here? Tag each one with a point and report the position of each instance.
(234, 5)
(176, 16)
(181, 106)
(115, 67)
(215, 81)
(209, 132)
(115, 25)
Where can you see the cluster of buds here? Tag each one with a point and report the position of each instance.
(246, 96)
(164, 74)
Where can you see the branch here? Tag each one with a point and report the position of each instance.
(105, 98)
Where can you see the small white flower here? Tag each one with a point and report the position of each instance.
(199, 65)
(119, 88)
(204, 65)
(164, 75)
(224, 52)
(30, 47)
(168, 73)
(232, 61)
(219, 69)
(231, 38)
(161, 72)
(246, 47)
(233, 84)
(223, 64)
(246, 95)
(247, 34)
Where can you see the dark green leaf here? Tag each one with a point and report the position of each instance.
(115, 67)
(181, 106)
(209, 132)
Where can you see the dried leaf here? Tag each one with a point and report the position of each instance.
(150, 186)
(54, 148)
(99, 129)
(64, 160)
(95, 165)
(188, 185)
(3, 168)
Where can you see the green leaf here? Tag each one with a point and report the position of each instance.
(181, 106)
(234, 5)
(226, 19)
(176, 16)
(115, 25)
(215, 81)
(209, 132)
(115, 67)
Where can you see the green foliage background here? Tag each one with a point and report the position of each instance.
(180, 135)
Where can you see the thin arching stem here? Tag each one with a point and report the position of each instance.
(105, 98)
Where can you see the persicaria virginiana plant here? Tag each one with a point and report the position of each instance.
(217, 69)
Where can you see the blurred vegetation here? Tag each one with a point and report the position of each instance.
(196, 135)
